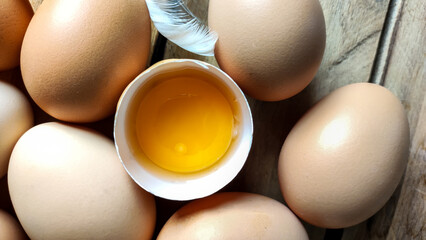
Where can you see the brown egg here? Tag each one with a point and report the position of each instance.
(344, 158)
(78, 56)
(233, 216)
(15, 15)
(10, 228)
(16, 117)
(67, 182)
(272, 49)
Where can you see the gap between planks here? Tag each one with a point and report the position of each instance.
(386, 42)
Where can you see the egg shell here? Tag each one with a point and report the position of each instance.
(10, 228)
(173, 185)
(233, 216)
(78, 56)
(271, 49)
(345, 157)
(66, 182)
(15, 15)
(16, 117)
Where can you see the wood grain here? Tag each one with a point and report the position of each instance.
(401, 69)
(405, 76)
(35, 4)
(353, 33)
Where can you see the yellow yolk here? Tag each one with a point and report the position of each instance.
(184, 124)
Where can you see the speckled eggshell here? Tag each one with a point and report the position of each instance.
(78, 56)
(67, 182)
(345, 157)
(10, 228)
(16, 117)
(272, 49)
(15, 15)
(233, 216)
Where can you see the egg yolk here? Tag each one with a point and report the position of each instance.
(184, 124)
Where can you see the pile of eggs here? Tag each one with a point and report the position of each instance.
(338, 166)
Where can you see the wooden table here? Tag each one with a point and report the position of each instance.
(382, 42)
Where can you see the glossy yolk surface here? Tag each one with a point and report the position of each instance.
(184, 124)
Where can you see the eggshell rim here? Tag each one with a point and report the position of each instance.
(182, 189)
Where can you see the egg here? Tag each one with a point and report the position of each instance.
(16, 117)
(344, 158)
(272, 49)
(78, 56)
(15, 15)
(233, 216)
(172, 119)
(10, 228)
(67, 182)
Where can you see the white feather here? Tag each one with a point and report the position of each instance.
(178, 24)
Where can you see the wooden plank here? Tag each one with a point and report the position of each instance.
(400, 67)
(35, 4)
(405, 76)
(409, 220)
(353, 32)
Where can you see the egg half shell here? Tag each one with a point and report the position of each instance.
(233, 216)
(344, 158)
(67, 182)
